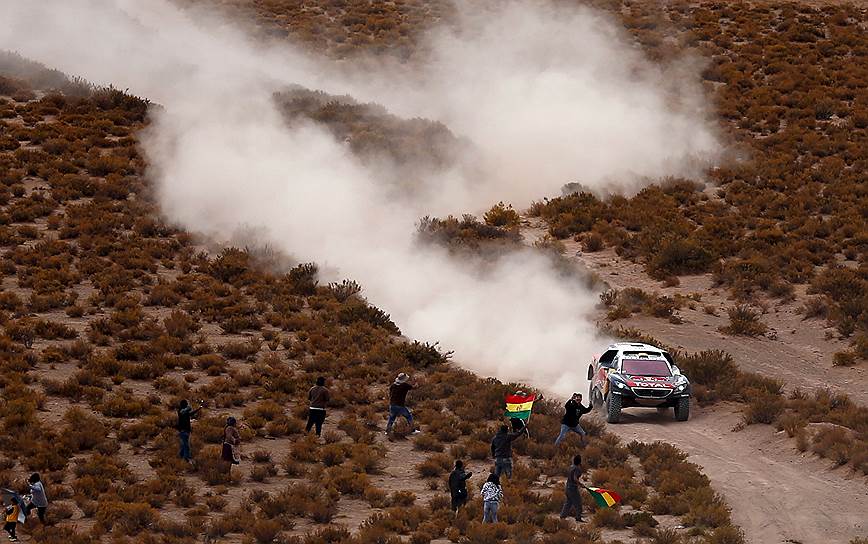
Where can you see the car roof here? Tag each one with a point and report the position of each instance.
(634, 346)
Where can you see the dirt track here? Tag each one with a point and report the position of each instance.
(777, 495)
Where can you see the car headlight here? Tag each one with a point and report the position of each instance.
(681, 387)
(620, 385)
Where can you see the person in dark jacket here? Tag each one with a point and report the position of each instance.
(458, 485)
(185, 413)
(574, 496)
(318, 396)
(573, 410)
(501, 449)
(398, 402)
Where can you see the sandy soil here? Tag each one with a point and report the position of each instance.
(777, 495)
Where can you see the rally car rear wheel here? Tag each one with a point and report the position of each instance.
(682, 409)
(596, 398)
(613, 409)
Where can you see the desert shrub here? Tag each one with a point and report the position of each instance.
(814, 307)
(179, 324)
(434, 466)
(428, 442)
(834, 443)
(666, 536)
(354, 311)
(609, 517)
(344, 290)
(333, 454)
(334, 534)
(844, 358)
(375, 496)
(216, 503)
(713, 369)
(705, 508)
(402, 498)
(346, 480)
(260, 473)
(636, 518)
(680, 256)
(83, 431)
(592, 243)
(124, 404)
(241, 350)
(726, 534)
(501, 215)
(126, 518)
(264, 531)
(422, 355)
(303, 279)
(762, 407)
(744, 321)
(367, 459)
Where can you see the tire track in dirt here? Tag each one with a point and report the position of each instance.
(777, 495)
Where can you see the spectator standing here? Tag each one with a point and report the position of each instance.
(458, 485)
(318, 397)
(573, 410)
(231, 441)
(185, 413)
(492, 494)
(398, 402)
(501, 449)
(38, 498)
(12, 511)
(574, 496)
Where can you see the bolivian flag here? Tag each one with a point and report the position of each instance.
(518, 405)
(603, 497)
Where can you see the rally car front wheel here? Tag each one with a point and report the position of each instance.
(682, 409)
(613, 408)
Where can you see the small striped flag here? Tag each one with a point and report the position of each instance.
(603, 497)
(518, 405)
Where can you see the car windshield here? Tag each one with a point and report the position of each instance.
(645, 367)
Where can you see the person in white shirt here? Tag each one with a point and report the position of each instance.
(492, 494)
(38, 499)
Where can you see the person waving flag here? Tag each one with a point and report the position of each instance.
(519, 406)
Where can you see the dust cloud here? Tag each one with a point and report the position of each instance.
(546, 96)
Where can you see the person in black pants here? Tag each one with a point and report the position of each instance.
(458, 485)
(185, 413)
(318, 396)
(38, 498)
(574, 497)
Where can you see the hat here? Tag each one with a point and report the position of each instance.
(402, 378)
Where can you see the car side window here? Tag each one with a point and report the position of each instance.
(607, 360)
